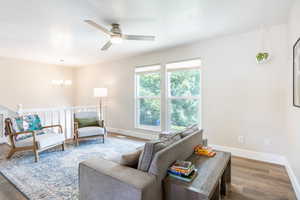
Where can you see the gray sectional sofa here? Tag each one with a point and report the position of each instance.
(108, 180)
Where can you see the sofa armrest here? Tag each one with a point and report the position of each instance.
(104, 179)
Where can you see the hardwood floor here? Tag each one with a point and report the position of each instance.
(258, 180)
(251, 180)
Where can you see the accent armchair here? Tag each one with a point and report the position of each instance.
(88, 125)
(27, 133)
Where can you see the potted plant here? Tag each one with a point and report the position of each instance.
(262, 57)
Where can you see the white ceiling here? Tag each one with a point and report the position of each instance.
(51, 30)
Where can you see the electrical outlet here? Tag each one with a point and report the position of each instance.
(241, 139)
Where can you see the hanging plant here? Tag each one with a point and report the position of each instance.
(262, 57)
(263, 54)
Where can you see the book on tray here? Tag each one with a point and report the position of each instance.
(183, 170)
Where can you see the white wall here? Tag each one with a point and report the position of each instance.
(29, 83)
(293, 113)
(240, 97)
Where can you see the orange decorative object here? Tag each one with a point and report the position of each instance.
(204, 151)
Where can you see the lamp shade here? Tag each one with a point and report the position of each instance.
(100, 92)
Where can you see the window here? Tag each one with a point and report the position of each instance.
(148, 101)
(183, 83)
(174, 87)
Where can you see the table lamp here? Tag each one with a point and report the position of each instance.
(100, 93)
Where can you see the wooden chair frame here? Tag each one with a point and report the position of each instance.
(34, 147)
(76, 135)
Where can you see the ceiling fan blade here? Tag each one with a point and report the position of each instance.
(106, 46)
(97, 26)
(139, 37)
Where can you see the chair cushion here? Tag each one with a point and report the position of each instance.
(43, 141)
(90, 131)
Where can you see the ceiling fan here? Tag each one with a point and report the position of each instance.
(116, 35)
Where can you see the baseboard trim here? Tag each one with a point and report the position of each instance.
(148, 136)
(254, 155)
(293, 179)
(264, 157)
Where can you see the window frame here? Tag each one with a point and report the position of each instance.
(165, 98)
(137, 98)
(169, 97)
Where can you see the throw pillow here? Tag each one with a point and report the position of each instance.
(86, 122)
(26, 123)
(129, 159)
(151, 148)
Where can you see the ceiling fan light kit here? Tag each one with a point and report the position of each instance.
(116, 39)
(116, 36)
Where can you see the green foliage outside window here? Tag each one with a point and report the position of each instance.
(184, 112)
(185, 83)
(149, 85)
(150, 112)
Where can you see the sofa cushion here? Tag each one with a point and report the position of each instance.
(179, 150)
(173, 135)
(189, 130)
(43, 141)
(90, 131)
(151, 148)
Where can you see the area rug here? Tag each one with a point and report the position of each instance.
(55, 176)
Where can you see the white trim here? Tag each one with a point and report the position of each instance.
(265, 157)
(136, 117)
(149, 128)
(148, 97)
(184, 64)
(185, 97)
(3, 139)
(147, 68)
(169, 97)
(254, 155)
(184, 69)
(293, 178)
(150, 136)
(58, 108)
